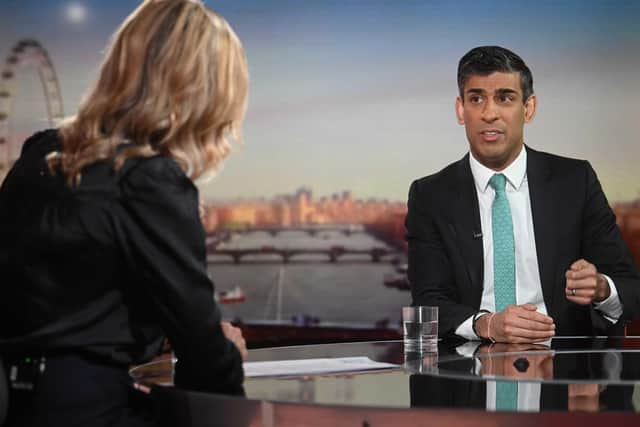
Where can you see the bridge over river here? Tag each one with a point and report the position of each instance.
(333, 254)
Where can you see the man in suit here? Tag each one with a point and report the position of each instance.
(512, 244)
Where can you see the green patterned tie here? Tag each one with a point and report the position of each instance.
(504, 275)
(504, 266)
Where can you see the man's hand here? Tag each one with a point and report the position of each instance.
(517, 324)
(584, 284)
(234, 335)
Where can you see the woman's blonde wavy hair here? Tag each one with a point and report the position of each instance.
(174, 82)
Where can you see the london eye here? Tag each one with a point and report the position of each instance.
(25, 53)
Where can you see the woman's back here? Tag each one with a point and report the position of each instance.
(67, 278)
(97, 274)
(102, 252)
(103, 268)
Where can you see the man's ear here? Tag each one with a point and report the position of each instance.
(530, 106)
(460, 110)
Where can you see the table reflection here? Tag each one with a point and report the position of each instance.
(568, 374)
(602, 361)
(421, 362)
(600, 376)
(515, 361)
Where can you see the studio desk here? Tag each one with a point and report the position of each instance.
(571, 381)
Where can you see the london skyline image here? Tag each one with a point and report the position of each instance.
(359, 96)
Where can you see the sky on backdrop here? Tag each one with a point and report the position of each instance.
(358, 94)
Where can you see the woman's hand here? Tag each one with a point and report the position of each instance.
(234, 334)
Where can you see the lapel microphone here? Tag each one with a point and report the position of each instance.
(477, 234)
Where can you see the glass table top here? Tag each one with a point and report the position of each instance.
(593, 374)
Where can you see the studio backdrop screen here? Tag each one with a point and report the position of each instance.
(350, 100)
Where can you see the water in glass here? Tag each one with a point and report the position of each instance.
(420, 336)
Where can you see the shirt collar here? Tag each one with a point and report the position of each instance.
(515, 172)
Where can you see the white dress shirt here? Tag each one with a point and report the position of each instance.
(528, 285)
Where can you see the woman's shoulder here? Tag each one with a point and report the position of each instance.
(153, 171)
(33, 153)
(43, 141)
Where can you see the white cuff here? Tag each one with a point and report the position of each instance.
(465, 330)
(611, 308)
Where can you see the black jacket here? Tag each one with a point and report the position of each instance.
(109, 267)
(571, 220)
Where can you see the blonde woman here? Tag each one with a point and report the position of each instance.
(102, 253)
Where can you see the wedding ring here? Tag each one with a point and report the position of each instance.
(573, 292)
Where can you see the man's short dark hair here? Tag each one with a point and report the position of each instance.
(485, 60)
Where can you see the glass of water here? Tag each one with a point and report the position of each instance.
(420, 328)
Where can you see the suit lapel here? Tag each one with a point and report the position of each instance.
(544, 220)
(466, 225)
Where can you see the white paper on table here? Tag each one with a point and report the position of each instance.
(313, 366)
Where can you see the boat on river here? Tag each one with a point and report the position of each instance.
(232, 296)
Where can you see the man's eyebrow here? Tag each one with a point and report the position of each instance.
(501, 91)
(504, 91)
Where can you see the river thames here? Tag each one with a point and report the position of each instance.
(350, 290)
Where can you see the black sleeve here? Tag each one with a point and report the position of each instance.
(603, 245)
(430, 273)
(33, 149)
(165, 243)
